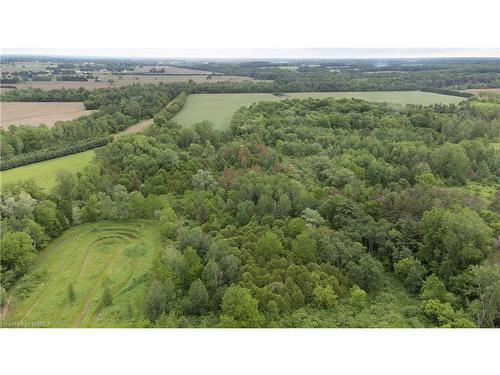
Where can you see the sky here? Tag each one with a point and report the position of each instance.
(249, 29)
(250, 53)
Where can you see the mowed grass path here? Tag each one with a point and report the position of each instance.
(91, 257)
(219, 108)
(44, 172)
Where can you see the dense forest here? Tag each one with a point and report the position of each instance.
(305, 213)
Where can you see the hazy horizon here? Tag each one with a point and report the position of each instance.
(252, 53)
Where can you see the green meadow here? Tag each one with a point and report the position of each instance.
(217, 108)
(44, 172)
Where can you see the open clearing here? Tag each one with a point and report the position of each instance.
(34, 114)
(44, 172)
(219, 108)
(90, 257)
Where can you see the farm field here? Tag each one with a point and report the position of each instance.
(44, 172)
(393, 97)
(34, 114)
(91, 258)
(126, 80)
(219, 108)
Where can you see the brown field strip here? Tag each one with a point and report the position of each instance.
(34, 114)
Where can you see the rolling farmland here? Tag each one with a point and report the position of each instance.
(125, 80)
(90, 258)
(34, 114)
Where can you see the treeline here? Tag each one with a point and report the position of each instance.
(22, 140)
(171, 109)
(449, 92)
(139, 100)
(73, 78)
(47, 154)
(30, 94)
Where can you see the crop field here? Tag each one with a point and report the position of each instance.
(45, 172)
(34, 114)
(124, 80)
(393, 97)
(219, 108)
(66, 286)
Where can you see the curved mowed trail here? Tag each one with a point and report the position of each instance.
(89, 257)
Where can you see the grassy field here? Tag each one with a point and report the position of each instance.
(24, 113)
(216, 108)
(91, 258)
(219, 108)
(393, 97)
(44, 172)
